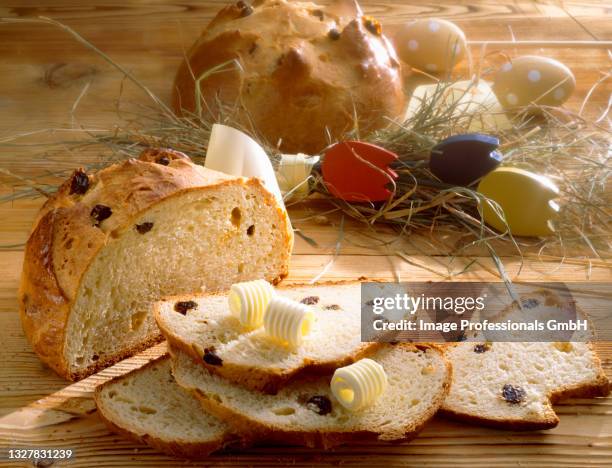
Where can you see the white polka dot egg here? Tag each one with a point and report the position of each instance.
(431, 45)
(532, 79)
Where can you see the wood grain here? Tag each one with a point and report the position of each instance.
(42, 73)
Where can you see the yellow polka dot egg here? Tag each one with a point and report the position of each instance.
(431, 45)
(532, 79)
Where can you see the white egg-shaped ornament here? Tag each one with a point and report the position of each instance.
(431, 45)
(532, 79)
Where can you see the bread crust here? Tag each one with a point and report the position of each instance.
(324, 439)
(64, 242)
(254, 378)
(43, 307)
(176, 448)
(599, 387)
(295, 82)
(549, 422)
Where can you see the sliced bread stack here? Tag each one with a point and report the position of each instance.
(269, 391)
(238, 387)
(305, 412)
(215, 339)
(263, 391)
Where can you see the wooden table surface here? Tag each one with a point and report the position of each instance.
(42, 73)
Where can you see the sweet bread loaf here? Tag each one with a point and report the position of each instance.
(107, 245)
(306, 72)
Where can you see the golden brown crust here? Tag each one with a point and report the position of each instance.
(322, 439)
(252, 377)
(506, 424)
(67, 237)
(295, 81)
(43, 306)
(176, 448)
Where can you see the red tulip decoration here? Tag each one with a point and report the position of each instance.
(358, 172)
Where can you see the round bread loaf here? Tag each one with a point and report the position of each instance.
(302, 76)
(107, 245)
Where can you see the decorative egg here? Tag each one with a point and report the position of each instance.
(463, 159)
(525, 198)
(470, 103)
(293, 173)
(533, 79)
(431, 45)
(358, 172)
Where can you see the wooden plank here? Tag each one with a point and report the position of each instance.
(434, 447)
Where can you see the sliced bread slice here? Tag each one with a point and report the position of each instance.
(305, 412)
(513, 385)
(213, 337)
(148, 406)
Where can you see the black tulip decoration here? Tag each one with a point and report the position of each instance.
(463, 159)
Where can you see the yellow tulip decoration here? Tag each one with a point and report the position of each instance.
(525, 198)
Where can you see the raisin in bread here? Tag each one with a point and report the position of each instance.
(204, 328)
(513, 385)
(148, 406)
(305, 412)
(107, 245)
